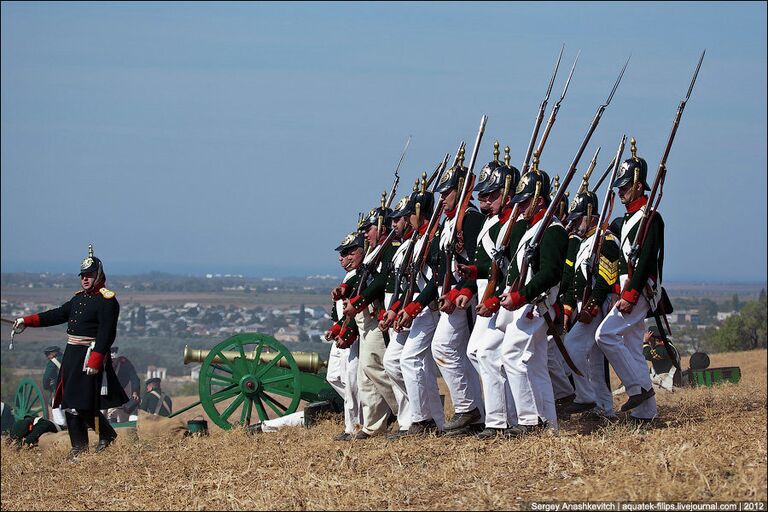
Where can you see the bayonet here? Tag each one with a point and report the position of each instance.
(397, 175)
(555, 109)
(540, 115)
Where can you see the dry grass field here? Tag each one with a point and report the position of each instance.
(708, 444)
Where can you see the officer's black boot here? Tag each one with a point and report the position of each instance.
(78, 435)
(107, 434)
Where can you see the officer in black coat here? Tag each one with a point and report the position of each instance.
(87, 381)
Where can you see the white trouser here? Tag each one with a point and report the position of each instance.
(420, 372)
(295, 419)
(394, 371)
(620, 337)
(589, 359)
(524, 355)
(449, 348)
(484, 350)
(558, 370)
(376, 394)
(342, 376)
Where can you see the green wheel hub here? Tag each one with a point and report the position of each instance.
(249, 378)
(29, 400)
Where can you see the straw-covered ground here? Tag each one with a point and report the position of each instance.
(709, 444)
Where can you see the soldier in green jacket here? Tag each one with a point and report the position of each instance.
(375, 387)
(155, 401)
(524, 349)
(620, 335)
(592, 391)
(27, 431)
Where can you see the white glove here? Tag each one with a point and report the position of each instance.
(91, 371)
(18, 325)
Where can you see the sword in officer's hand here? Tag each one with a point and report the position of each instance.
(13, 331)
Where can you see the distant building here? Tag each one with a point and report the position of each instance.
(722, 315)
(155, 371)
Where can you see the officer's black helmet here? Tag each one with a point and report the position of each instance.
(584, 203)
(632, 170)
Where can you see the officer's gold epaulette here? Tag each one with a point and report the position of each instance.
(107, 294)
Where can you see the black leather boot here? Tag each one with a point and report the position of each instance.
(78, 435)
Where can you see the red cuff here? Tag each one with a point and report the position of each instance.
(492, 303)
(344, 289)
(452, 295)
(472, 272)
(466, 292)
(518, 300)
(395, 306)
(631, 296)
(335, 329)
(32, 321)
(96, 361)
(593, 310)
(380, 316)
(358, 302)
(567, 310)
(413, 309)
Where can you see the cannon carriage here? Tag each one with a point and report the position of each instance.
(252, 377)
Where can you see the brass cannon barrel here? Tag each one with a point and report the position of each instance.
(309, 362)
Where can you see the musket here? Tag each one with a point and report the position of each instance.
(540, 115)
(397, 176)
(593, 259)
(544, 223)
(465, 184)
(420, 258)
(658, 183)
(555, 109)
(585, 179)
(438, 172)
(603, 176)
(532, 246)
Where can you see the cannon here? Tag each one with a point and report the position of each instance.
(29, 401)
(253, 376)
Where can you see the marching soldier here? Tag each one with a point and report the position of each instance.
(343, 362)
(524, 349)
(376, 395)
(620, 335)
(592, 390)
(449, 344)
(397, 338)
(155, 401)
(495, 183)
(87, 382)
(419, 320)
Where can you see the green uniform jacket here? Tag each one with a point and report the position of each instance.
(547, 263)
(574, 242)
(604, 282)
(650, 260)
(150, 403)
(51, 374)
(470, 229)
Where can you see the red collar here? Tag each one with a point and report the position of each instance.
(450, 213)
(408, 233)
(423, 228)
(637, 204)
(538, 216)
(505, 214)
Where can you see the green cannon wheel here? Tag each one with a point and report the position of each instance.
(239, 384)
(29, 400)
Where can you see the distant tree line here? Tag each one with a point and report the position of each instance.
(745, 330)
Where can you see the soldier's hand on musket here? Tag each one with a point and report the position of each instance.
(337, 293)
(585, 317)
(624, 306)
(462, 302)
(389, 318)
(403, 321)
(18, 325)
(483, 311)
(467, 271)
(446, 305)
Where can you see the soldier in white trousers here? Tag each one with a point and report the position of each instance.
(620, 335)
(524, 349)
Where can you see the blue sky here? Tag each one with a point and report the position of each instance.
(246, 137)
